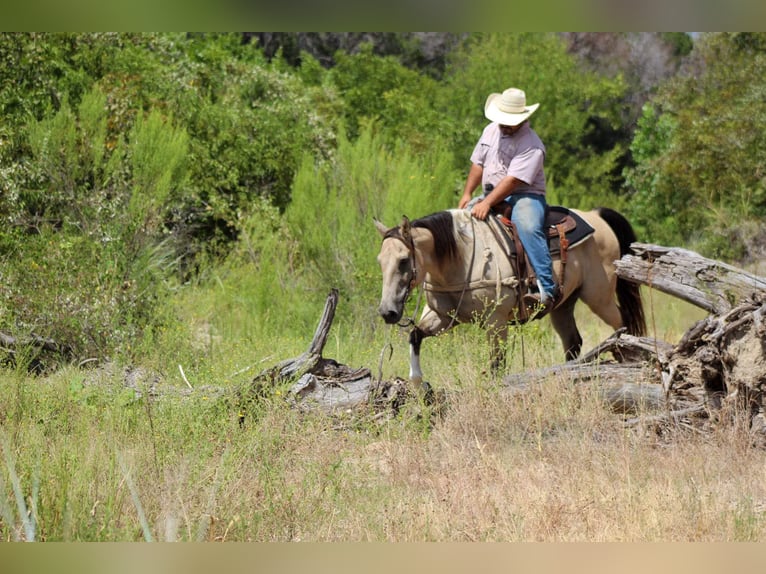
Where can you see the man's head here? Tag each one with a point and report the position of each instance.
(510, 130)
(509, 108)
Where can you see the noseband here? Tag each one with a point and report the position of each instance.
(394, 233)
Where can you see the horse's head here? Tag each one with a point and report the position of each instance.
(397, 262)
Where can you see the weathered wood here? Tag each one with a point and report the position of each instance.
(582, 372)
(324, 384)
(718, 368)
(706, 283)
(673, 416)
(719, 365)
(723, 359)
(10, 343)
(627, 347)
(308, 361)
(337, 389)
(632, 398)
(323, 328)
(626, 388)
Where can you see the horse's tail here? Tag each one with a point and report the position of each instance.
(628, 294)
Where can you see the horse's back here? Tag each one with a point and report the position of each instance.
(605, 240)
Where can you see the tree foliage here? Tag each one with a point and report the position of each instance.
(699, 175)
(142, 150)
(134, 165)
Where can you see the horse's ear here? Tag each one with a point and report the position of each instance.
(404, 227)
(382, 229)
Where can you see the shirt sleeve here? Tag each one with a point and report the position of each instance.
(479, 155)
(526, 165)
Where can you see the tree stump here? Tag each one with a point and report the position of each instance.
(318, 383)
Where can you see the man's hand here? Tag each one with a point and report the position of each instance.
(464, 201)
(481, 210)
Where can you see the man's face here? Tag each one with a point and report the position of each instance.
(509, 130)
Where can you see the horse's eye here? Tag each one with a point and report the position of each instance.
(404, 265)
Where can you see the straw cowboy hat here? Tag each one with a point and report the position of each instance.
(509, 108)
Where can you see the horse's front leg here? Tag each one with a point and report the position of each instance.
(497, 334)
(416, 338)
(430, 324)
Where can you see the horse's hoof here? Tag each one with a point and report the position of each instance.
(424, 389)
(427, 392)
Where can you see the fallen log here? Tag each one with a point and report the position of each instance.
(37, 351)
(717, 371)
(626, 388)
(10, 343)
(719, 365)
(706, 283)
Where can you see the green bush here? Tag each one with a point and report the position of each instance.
(91, 271)
(699, 165)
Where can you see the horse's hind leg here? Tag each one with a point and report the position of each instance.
(563, 321)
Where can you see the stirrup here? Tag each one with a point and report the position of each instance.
(538, 309)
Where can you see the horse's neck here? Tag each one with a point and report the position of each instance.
(429, 265)
(425, 258)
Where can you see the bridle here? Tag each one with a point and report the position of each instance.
(395, 233)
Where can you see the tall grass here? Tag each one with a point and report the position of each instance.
(159, 448)
(95, 459)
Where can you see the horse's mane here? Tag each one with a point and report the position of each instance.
(440, 226)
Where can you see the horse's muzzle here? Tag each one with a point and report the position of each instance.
(390, 316)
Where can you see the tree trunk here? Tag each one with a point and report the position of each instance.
(706, 283)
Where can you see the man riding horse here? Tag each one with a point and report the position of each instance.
(508, 164)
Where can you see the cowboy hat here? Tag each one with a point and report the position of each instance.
(509, 108)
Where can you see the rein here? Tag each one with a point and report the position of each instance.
(410, 245)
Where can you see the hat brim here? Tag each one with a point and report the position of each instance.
(493, 113)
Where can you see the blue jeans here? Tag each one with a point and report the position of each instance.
(529, 217)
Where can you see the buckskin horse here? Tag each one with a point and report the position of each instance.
(468, 273)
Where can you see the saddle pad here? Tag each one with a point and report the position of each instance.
(576, 228)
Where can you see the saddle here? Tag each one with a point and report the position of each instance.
(565, 230)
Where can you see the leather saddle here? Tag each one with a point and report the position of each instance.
(565, 230)
(559, 222)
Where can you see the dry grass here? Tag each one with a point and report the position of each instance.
(551, 464)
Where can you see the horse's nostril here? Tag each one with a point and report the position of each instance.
(389, 316)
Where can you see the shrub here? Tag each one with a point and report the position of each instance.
(699, 169)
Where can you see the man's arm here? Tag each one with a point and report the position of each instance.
(471, 183)
(499, 193)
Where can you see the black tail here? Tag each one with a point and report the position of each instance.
(628, 294)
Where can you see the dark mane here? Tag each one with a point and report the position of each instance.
(440, 226)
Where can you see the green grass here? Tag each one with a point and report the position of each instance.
(93, 458)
